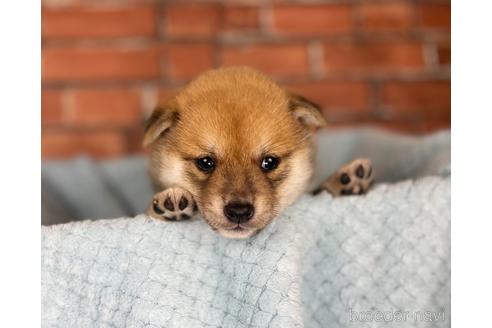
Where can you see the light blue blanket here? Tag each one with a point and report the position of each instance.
(379, 260)
(324, 263)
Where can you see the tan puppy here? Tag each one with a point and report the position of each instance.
(237, 147)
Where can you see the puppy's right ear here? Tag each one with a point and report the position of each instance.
(161, 120)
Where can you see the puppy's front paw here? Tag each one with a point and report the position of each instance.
(354, 178)
(173, 204)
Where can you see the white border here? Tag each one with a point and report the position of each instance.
(20, 76)
(471, 222)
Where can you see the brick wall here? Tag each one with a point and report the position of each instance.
(106, 63)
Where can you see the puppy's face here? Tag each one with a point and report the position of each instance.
(239, 143)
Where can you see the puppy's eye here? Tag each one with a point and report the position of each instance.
(205, 164)
(269, 163)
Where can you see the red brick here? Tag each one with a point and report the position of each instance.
(340, 97)
(312, 19)
(405, 127)
(93, 107)
(185, 61)
(444, 54)
(427, 126)
(61, 143)
(410, 127)
(240, 18)
(191, 20)
(98, 22)
(435, 16)
(51, 107)
(430, 99)
(134, 140)
(83, 64)
(386, 16)
(278, 60)
(422, 126)
(164, 94)
(372, 56)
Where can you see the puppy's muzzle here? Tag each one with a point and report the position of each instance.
(239, 212)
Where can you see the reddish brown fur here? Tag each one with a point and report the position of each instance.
(237, 116)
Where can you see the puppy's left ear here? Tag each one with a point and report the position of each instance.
(306, 112)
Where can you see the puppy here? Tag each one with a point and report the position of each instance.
(238, 148)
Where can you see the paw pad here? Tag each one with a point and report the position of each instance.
(172, 204)
(168, 204)
(183, 203)
(354, 178)
(344, 179)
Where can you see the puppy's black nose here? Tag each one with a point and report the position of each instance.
(239, 212)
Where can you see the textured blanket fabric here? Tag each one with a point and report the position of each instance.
(380, 260)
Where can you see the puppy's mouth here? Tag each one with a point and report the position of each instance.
(237, 231)
(238, 228)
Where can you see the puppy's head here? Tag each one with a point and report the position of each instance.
(239, 143)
